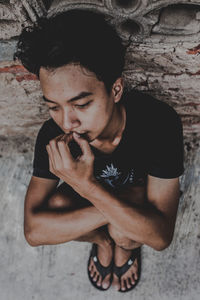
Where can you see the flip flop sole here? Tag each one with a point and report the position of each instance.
(120, 271)
(101, 269)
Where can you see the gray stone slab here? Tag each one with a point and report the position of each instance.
(7, 49)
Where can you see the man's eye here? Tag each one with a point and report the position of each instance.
(82, 105)
(55, 108)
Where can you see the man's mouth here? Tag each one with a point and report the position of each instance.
(71, 133)
(83, 135)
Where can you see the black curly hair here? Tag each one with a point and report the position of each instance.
(75, 36)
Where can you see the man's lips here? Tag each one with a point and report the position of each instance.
(71, 132)
(84, 134)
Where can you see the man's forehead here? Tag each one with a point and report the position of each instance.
(79, 96)
(68, 76)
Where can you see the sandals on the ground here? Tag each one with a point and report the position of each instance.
(120, 271)
(103, 271)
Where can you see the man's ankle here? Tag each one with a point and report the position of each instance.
(106, 241)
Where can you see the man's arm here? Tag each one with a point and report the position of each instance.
(151, 223)
(45, 227)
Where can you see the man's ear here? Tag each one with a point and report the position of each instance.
(117, 89)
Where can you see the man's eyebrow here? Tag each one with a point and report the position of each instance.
(79, 96)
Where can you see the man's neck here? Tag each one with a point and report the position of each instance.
(113, 134)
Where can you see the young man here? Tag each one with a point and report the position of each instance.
(119, 154)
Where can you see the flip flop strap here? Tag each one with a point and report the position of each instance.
(119, 271)
(101, 269)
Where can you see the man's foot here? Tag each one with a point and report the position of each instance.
(105, 256)
(130, 277)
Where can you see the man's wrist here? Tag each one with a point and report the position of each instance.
(90, 189)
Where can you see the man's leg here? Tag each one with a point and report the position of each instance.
(122, 252)
(99, 236)
(124, 246)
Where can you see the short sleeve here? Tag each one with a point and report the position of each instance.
(166, 152)
(41, 159)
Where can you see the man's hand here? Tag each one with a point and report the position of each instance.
(79, 172)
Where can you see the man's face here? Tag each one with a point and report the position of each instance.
(78, 101)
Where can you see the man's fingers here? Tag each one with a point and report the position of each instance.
(51, 164)
(65, 153)
(59, 137)
(84, 145)
(59, 151)
(51, 169)
(54, 151)
(65, 137)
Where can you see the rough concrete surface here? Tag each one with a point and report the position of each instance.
(163, 60)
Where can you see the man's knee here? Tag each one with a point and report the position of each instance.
(66, 197)
(120, 239)
(58, 202)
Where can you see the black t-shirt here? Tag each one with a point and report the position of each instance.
(152, 143)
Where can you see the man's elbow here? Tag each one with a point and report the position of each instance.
(164, 242)
(162, 246)
(30, 238)
(164, 236)
(30, 235)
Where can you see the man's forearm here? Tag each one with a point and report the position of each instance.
(55, 228)
(136, 222)
(47, 226)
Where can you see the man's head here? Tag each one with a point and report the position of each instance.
(79, 60)
(78, 101)
(76, 36)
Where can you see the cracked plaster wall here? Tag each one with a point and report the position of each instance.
(163, 57)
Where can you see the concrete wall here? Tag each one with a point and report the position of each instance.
(163, 60)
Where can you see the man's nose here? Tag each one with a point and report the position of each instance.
(69, 121)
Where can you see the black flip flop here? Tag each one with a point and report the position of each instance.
(119, 271)
(104, 271)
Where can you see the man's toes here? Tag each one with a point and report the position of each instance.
(92, 273)
(99, 281)
(115, 282)
(128, 283)
(136, 275)
(106, 282)
(90, 267)
(132, 279)
(95, 276)
(123, 285)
